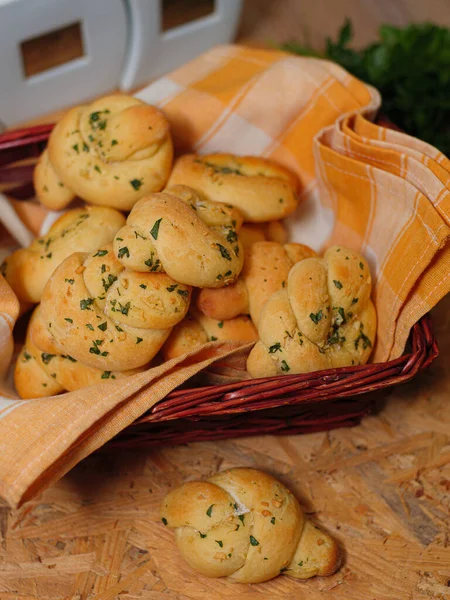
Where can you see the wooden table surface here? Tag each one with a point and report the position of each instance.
(382, 488)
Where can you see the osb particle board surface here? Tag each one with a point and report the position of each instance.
(382, 488)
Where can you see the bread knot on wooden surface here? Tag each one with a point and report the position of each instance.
(106, 316)
(111, 152)
(178, 232)
(198, 329)
(79, 230)
(39, 374)
(262, 190)
(323, 318)
(246, 525)
(266, 270)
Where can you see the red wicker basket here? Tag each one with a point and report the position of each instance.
(273, 405)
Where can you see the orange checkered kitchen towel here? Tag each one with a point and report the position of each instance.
(375, 190)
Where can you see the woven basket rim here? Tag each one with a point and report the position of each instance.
(317, 386)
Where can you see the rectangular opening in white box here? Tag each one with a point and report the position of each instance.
(178, 12)
(52, 49)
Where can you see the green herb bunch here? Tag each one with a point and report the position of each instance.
(410, 67)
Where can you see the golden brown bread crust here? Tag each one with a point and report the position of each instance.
(33, 373)
(262, 190)
(266, 271)
(197, 329)
(38, 374)
(244, 524)
(317, 554)
(108, 317)
(185, 336)
(79, 230)
(111, 152)
(50, 189)
(324, 318)
(266, 268)
(273, 231)
(250, 233)
(191, 239)
(224, 303)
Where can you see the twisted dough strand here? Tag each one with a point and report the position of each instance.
(38, 374)
(260, 189)
(79, 230)
(178, 232)
(266, 269)
(108, 317)
(244, 524)
(111, 152)
(324, 318)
